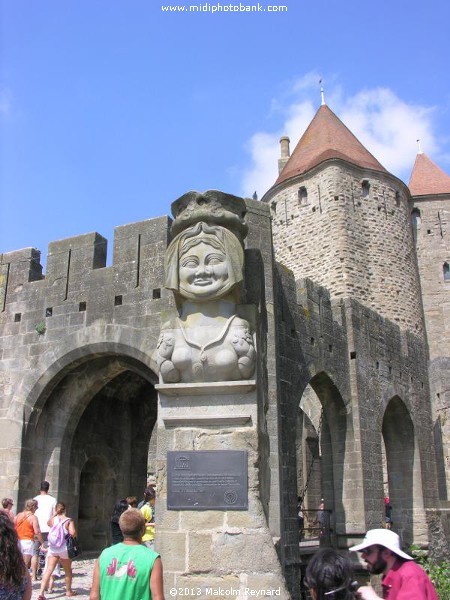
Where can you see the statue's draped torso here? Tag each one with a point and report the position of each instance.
(229, 354)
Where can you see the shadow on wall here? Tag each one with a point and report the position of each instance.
(403, 469)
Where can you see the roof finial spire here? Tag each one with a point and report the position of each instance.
(419, 148)
(322, 93)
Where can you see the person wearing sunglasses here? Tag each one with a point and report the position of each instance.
(402, 578)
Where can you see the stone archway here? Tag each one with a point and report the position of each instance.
(404, 479)
(328, 435)
(90, 439)
(309, 468)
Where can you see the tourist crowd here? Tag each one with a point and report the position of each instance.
(130, 569)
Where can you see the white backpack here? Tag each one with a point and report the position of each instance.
(57, 534)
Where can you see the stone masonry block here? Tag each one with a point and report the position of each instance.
(199, 552)
(172, 546)
(240, 553)
(198, 520)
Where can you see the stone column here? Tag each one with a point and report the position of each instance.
(214, 552)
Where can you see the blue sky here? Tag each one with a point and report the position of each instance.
(110, 110)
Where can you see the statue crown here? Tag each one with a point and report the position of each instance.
(212, 207)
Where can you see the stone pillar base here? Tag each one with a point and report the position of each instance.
(214, 553)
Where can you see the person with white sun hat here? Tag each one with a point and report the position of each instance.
(402, 578)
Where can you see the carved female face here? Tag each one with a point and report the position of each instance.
(203, 271)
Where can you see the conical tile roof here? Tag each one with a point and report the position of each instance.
(327, 137)
(427, 178)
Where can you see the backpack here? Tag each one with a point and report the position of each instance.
(57, 534)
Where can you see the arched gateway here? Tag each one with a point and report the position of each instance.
(88, 432)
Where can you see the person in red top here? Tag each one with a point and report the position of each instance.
(403, 579)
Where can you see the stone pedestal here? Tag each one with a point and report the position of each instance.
(207, 553)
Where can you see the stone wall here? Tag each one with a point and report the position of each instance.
(65, 336)
(351, 238)
(431, 224)
(78, 403)
(76, 350)
(440, 393)
(431, 227)
(371, 378)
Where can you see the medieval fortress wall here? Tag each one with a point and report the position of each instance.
(432, 230)
(340, 311)
(81, 308)
(348, 229)
(431, 223)
(369, 361)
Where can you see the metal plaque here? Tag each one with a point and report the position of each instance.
(207, 480)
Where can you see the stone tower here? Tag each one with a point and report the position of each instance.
(430, 190)
(342, 220)
(351, 340)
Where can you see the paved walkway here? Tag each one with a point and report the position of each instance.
(82, 581)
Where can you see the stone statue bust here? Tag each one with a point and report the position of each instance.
(208, 341)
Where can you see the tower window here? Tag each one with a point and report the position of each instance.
(416, 218)
(446, 271)
(416, 222)
(397, 198)
(365, 188)
(302, 195)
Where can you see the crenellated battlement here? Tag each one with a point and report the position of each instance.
(77, 274)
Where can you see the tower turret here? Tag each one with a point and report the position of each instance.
(430, 190)
(341, 219)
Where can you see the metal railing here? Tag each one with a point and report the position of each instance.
(316, 527)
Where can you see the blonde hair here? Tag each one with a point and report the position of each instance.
(31, 504)
(60, 508)
(132, 523)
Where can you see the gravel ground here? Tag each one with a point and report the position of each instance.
(81, 584)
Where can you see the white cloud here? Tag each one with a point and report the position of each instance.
(389, 127)
(384, 123)
(264, 148)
